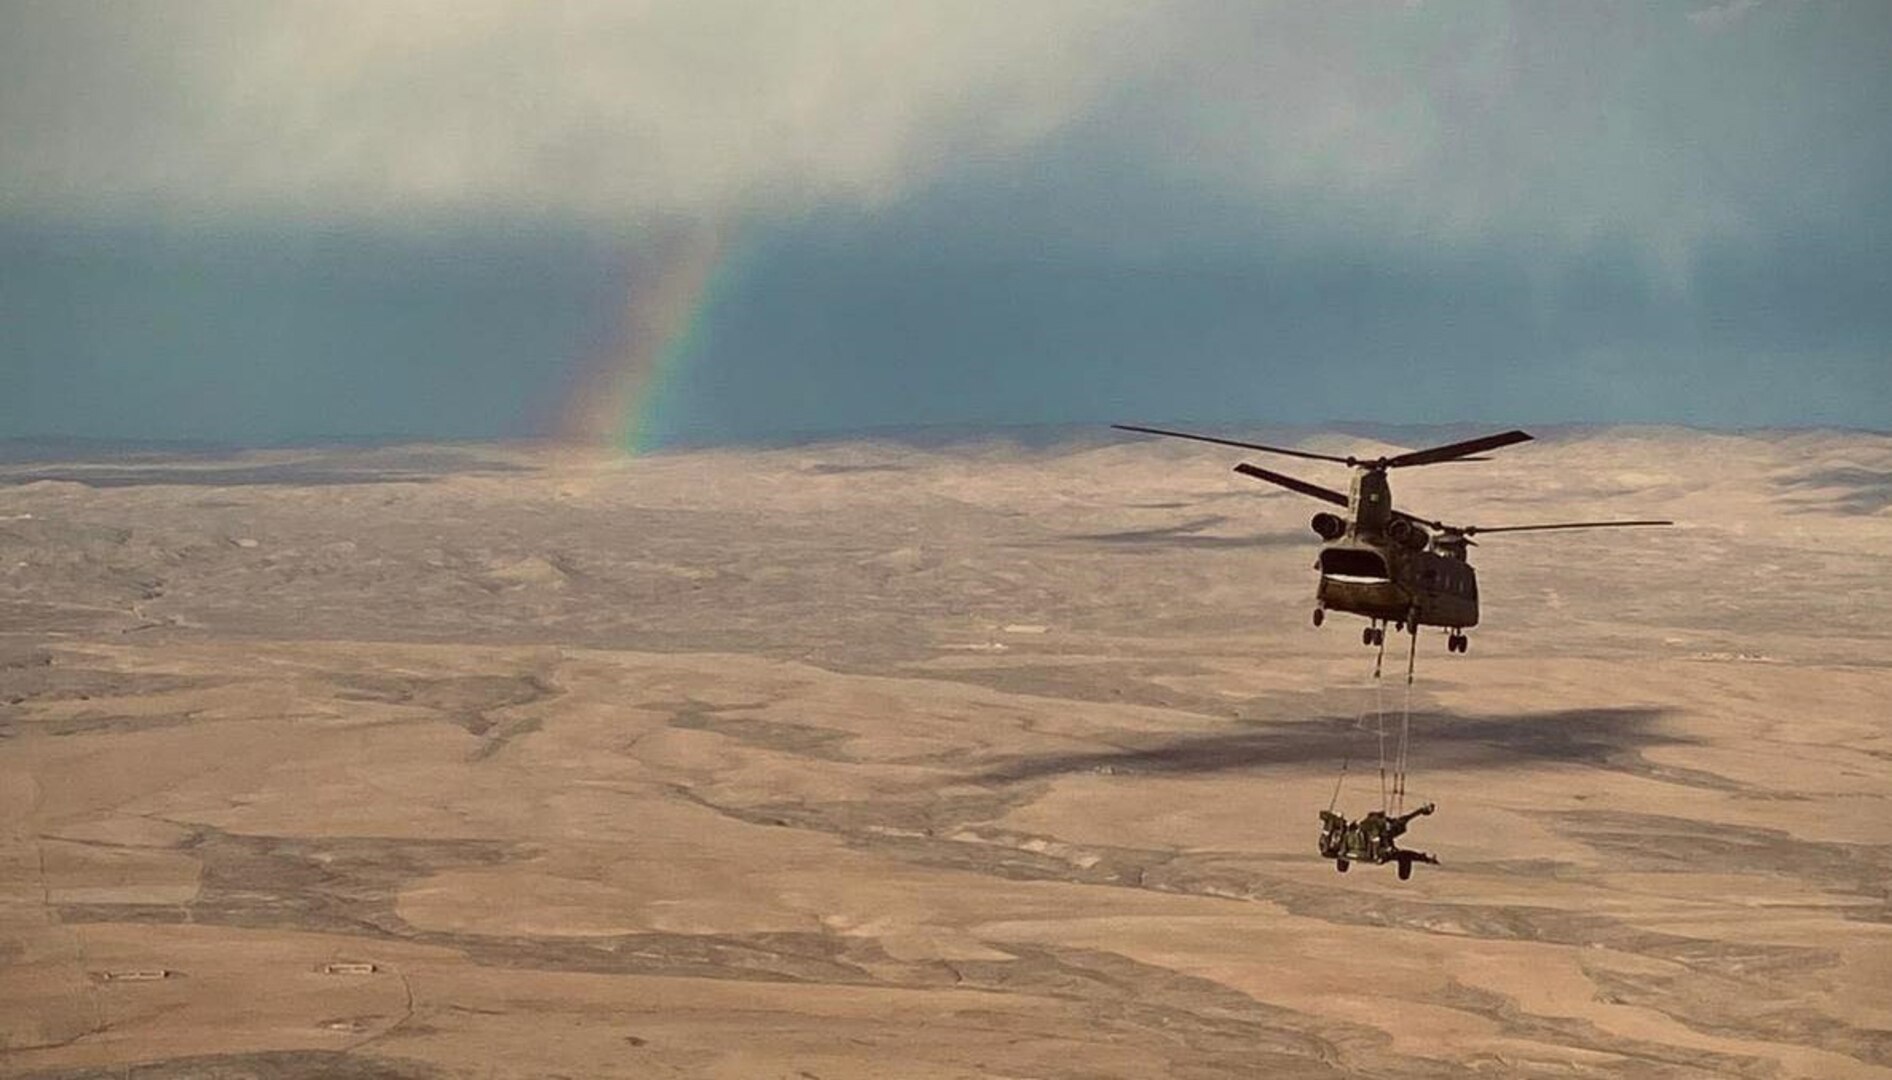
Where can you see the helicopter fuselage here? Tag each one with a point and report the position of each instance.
(1383, 566)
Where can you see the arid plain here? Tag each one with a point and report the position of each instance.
(874, 760)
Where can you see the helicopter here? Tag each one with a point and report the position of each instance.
(1385, 564)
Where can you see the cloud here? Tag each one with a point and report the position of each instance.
(1567, 126)
(1718, 17)
(1571, 127)
(600, 108)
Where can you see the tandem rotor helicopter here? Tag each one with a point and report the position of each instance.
(1389, 566)
(1381, 562)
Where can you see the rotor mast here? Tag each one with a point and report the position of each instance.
(1369, 501)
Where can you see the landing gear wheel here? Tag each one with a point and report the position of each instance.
(1341, 865)
(1405, 869)
(1366, 636)
(1320, 616)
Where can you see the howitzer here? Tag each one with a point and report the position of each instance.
(1370, 840)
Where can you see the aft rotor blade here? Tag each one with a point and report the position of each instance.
(1429, 523)
(1289, 482)
(1232, 442)
(1457, 451)
(1471, 530)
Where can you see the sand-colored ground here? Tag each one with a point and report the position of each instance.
(869, 761)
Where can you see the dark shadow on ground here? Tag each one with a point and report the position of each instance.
(1662, 844)
(826, 468)
(1610, 739)
(262, 1065)
(1850, 489)
(287, 474)
(1188, 534)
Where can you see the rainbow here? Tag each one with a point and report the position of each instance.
(618, 396)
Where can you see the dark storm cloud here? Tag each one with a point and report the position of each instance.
(287, 334)
(953, 212)
(1664, 124)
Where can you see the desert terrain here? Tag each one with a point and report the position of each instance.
(882, 760)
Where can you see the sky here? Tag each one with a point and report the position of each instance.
(656, 223)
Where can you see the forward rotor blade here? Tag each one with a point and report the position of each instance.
(1472, 530)
(1289, 482)
(1232, 442)
(1457, 451)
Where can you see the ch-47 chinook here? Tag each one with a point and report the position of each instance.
(1384, 563)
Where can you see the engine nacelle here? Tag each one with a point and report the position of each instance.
(1329, 526)
(1408, 535)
